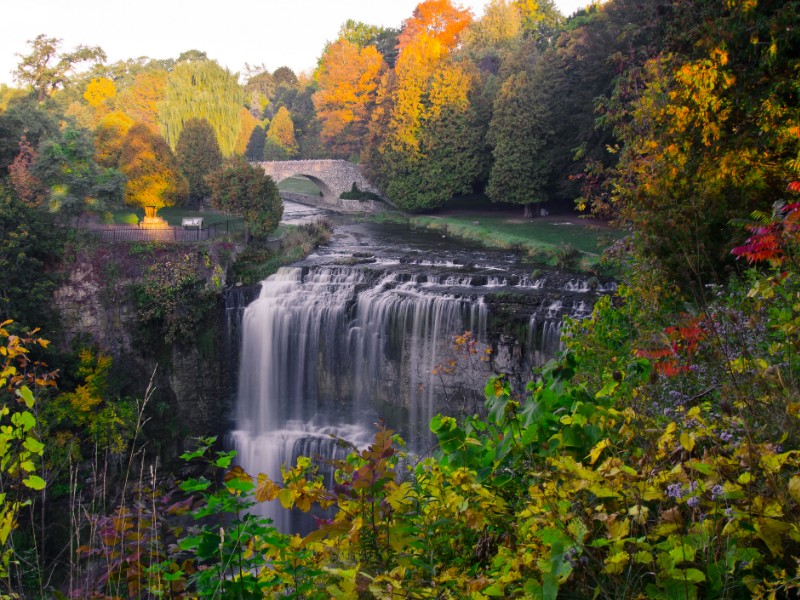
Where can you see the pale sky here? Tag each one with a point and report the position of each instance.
(232, 32)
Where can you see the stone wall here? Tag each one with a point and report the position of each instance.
(338, 205)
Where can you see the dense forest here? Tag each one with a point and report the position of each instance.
(657, 457)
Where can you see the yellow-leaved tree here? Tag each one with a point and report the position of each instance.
(154, 178)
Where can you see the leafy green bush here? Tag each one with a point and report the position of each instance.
(357, 194)
(173, 298)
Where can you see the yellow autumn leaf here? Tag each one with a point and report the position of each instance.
(286, 497)
(618, 529)
(266, 489)
(687, 441)
(617, 562)
(794, 488)
(598, 449)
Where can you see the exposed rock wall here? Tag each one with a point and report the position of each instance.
(192, 384)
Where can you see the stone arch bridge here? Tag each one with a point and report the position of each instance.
(333, 177)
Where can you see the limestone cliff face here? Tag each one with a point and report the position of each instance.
(190, 377)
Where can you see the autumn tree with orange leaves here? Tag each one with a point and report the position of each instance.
(348, 80)
(140, 100)
(424, 135)
(437, 19)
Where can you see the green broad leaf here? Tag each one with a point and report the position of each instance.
(223, 461)
(190, 543)
(700, 467)
(240, 485)
(496, 590)
(682, 553)
(27, 396)
(176, 576)
(24, 420)
(693, 575)
(195, 485)
(33, 445)
(34, 482)
(608, 389)
(187, 456)
(442, 423)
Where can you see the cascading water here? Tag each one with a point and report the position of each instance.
(329, 349)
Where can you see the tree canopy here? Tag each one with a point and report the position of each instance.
(154, 177)
(347, 78)
(46, 69)
(75, 183)
(281, 133)
(198, 155)
(238, 188)
(201, 89)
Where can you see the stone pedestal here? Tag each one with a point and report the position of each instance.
(151, 221)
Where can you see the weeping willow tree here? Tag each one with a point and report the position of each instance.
(202, 90)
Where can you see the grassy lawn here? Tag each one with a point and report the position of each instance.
(508, 232)
(173, 216)
(558, 241)
(299, 185)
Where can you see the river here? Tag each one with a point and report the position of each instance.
(363, 331)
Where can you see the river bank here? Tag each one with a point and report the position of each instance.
(564, 241)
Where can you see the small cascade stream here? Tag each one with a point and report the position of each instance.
(353, 335)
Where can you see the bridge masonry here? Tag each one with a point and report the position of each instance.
(333, 177)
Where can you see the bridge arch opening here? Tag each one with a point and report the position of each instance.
(307, 185)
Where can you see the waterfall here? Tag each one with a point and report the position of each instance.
(329, 350)
(324, 349)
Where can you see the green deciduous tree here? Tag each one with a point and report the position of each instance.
(154, 177)
(241, 189)
(259, 89)
(30, 247)
(75, 183)
(198, 155)
(383, 39)
(23, 117)
(45, 69)
(284, 76)
(202, 89)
